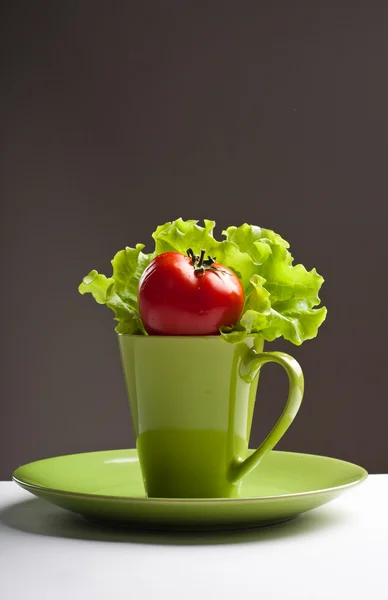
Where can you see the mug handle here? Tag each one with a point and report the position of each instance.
(249, 368)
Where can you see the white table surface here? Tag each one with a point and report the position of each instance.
(337, 551)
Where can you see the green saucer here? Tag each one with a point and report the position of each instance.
(108, 486)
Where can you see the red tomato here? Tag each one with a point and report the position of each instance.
(187, 295)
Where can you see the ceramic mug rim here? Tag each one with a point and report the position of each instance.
(186, 337)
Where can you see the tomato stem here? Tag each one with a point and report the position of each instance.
(200, 262)
(200, 265)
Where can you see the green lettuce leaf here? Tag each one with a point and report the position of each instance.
(97, 285)
(293, 291)
(281, 299)
(180, 235)
(119, 292)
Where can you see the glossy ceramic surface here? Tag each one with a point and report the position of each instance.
(192, 401)
(108, 486)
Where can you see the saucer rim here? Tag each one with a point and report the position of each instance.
(363, 474)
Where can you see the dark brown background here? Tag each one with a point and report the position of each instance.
(118, 116)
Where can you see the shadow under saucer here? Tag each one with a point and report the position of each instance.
(39, 517)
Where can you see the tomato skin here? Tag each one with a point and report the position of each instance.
(174, 300)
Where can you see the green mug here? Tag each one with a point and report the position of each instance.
(192, 401)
